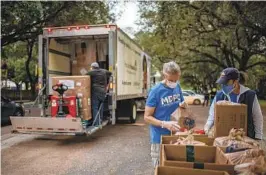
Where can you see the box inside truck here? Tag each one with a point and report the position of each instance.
(74, 55)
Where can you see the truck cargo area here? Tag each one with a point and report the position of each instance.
(69, 55)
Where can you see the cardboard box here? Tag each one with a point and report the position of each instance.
(228, 117)
(76, 69)
(185, 171)
(77, 86)
(80, 92)
(200, 138)
(73, 82)
(196, 157)
(86, 108)
(86, 113)
(84, 57)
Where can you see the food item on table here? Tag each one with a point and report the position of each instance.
(257, 167)
(185, 118)
(194, 131)
(211, 133)
(246, 156)
(201, 132)
(237, 139)
(189, 140)
(224, 102)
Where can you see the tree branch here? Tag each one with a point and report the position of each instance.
(260, 63)
(20, 31)
(205, 61)
(248, 23)
(215, 60)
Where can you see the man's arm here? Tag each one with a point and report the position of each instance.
(257, 118)
(148, 116)
(151, 105)
(108, 73)
(210, 120)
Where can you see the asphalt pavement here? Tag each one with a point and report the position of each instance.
(119, 149)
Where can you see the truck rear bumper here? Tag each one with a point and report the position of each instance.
(51, 126)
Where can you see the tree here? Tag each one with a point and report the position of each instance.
(16, 56)
(24, 21)
(218, 34)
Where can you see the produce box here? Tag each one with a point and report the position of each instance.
(164, 170)
(228, 117)
(196, 157)
(200, 138)
(77, 86)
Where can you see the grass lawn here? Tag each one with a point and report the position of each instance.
(262, 103)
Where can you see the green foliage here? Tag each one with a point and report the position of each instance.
(23, 21)
(262, 103)
(205, 37)
(83, 12)
(16, 56)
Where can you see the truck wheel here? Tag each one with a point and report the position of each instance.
(127, 110)
(133, 116)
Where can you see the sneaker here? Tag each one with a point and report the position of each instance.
(89, 122)
(85, 124)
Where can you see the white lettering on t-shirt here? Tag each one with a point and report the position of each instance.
(170, 99)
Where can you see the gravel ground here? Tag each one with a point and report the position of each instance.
(120, 149)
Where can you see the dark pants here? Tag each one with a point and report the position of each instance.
(97, 100)
(206, 101)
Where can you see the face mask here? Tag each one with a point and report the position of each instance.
(178, 82)
(227, 89)
(171, 84)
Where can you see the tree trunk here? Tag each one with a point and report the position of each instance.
(17, 87)
(244, 61)
(30, 45)
(27, 85)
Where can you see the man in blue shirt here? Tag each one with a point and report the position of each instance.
(233, 91)
(164, 98)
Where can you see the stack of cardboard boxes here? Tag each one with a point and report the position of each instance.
(84, 56)
(79, 86)
(188, 159)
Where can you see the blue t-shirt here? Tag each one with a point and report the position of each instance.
(166, 101)
(233, 97)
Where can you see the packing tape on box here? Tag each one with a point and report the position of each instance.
(198, 165)
(190, 153)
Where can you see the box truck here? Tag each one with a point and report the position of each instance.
(69, 51)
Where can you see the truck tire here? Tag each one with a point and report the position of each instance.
(127, 109)
(133, 116)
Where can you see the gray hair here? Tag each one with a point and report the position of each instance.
(171, 68)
